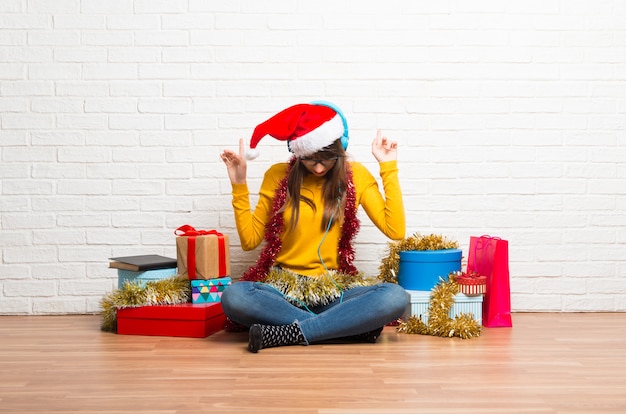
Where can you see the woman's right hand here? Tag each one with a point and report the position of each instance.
(236, 164)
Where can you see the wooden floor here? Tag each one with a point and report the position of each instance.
(546, 363)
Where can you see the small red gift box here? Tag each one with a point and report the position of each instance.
(185, 319)
(471, 283)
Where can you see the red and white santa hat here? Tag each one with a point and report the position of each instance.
(307, 128)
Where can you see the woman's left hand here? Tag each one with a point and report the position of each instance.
(384, 149)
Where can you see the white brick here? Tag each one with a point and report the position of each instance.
(111, 203)
(111, 105)
(113, 237)
(164, 106)
(82, 287)
(56, 7)
(81, 88)
(137, 188)
(80, 55)
(11, 71)
(24, 187)
(82, 121)
(54, 38)
(79, 21)
(136, 122)
(167, 204)
(135, 88)
(58, 171)
(133, 22)
(110, 71)
(134, 54)
(588, 303)
(56, 236)
(19, 255)
(82, 254)
(188, 21)
(14, 170)
(15, 238)
(14, 137)
(112, 171)
(16, 306)
(158, 238)
(189, 88)
(536, 303)
(211, 6)
(162, 38)
(14, 204)
(83, 154)
(54, 71)
(190, 122)
(32, 121)
(25, 21)
(188, 54)
(112, 138)
(181, 188)
(13, 37)
(606, 286)
(135, 155)
(84, 187)
(61, 305)
(160, 6)
(165, 172)
(55, 105)
(162, 71)
(99, 7)
(137, 220)
(57, 204)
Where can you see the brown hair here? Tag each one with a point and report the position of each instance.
(333, 190)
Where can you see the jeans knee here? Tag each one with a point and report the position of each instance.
(398, 297)
(231, 297)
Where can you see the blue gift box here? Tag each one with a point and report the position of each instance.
(420, 300)
(142, 277)
(209, 290)
(423, 269)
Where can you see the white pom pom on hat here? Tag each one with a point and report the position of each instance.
(252, 153)
(307, 128)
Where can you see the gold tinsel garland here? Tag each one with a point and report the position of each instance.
(314, 291)
(168, 291)
(390, 264)
(439, 322)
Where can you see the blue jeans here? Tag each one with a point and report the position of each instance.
(361, 310)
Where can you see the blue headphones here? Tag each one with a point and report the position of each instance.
(344, 138)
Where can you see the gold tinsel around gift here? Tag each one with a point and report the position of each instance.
(388, 270)
(168, 291)
(464, 326)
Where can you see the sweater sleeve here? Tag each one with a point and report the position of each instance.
(386, 212)
(251, 225)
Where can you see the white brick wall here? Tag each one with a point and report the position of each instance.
(511, 117)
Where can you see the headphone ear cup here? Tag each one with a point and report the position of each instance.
(344, 142)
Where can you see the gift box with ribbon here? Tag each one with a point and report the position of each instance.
(471, 283)
(202, 254)
(207, 291)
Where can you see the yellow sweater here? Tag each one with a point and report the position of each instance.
(299, 251)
